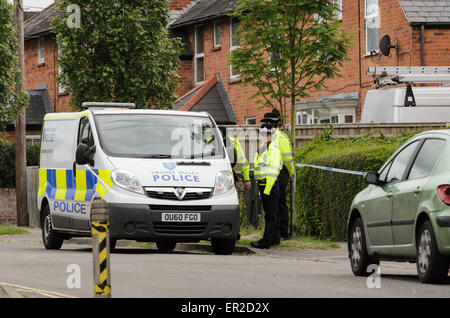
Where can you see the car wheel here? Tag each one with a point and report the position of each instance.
(223, 246)
(359, 259)
(166, 245)
(432, 267)
(51, 239)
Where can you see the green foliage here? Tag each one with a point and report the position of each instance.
(10, 100)
(304, 41)
(7, 162)
(120, 53)
(323, 198)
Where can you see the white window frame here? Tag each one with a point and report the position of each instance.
(368, 20)
(61, 88)
(233, 76)
(250, 118)
(301, 114)
(215, 35)
(41, 50)
(198, 55)
(339, 4)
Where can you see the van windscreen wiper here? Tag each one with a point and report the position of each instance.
(156, 156)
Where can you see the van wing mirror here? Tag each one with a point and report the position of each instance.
(83, 155)
(373, 178)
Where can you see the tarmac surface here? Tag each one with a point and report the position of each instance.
(28, 270)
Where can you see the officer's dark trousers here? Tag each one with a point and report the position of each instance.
(270, 205)
(283, 211)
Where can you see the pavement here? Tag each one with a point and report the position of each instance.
(192, 270)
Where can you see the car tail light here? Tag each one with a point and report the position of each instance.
(444, 193)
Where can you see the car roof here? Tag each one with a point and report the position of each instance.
(435, 132)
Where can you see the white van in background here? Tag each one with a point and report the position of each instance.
(387, 105)
(164, 174)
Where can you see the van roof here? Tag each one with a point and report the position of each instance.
(149, 111)
(126, 111)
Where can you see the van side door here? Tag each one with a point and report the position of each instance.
(85, 181)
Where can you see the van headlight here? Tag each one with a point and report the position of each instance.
(126, 180)
(224, 182)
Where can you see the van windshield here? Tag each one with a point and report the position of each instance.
(158, 136)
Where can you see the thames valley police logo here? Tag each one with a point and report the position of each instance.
(169, 165)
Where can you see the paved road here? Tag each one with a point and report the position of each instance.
(27, 269)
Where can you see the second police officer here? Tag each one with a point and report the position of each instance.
(286, 173)
(268, 164)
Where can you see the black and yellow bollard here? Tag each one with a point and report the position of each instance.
(100, 248)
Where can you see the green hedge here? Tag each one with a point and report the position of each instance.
(7, 162)
(323, 198)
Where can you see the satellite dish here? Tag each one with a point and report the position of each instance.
(385, 45)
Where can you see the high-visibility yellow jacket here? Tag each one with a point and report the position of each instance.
(284, 143)
(268, 164)
(240, 159)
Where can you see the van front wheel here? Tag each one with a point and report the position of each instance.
(51, 239)
(223, 246)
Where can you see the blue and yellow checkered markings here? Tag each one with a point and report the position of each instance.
(60, 184)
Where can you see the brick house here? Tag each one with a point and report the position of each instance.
(208, 27)
(420, 30)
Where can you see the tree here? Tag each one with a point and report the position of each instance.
(117, 51)
(288, 48)
(11, 101)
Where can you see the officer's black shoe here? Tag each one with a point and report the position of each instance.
(259, 244)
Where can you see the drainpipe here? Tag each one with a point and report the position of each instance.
(422, 44)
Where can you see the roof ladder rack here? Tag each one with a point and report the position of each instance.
(107, 105)
(395, 75)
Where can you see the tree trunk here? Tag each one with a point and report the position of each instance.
(20, 142)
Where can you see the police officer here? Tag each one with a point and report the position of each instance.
(237, 157)
(287, 172)
(268, 164)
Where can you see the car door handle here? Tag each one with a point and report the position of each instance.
(418, 190)
(389, 195)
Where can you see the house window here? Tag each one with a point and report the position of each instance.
(338, 3)
(334, 119)
(33, 140)
(372, 25)
(348, 119)
(234, 44)
(302, 118)
(217, 34)
(61, 88)
(41, 51)
(250, 121)
(199, 55)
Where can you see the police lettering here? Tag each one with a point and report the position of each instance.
(69, 207)
(177, 178)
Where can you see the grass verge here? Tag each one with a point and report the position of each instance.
(251, 235)
(11, 230)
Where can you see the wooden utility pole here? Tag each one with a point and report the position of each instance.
(20, 142)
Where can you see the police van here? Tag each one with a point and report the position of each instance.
(165, 176)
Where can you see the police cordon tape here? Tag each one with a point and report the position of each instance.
(358, 173)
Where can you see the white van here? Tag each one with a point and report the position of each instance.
(164, 174)
(387, 105)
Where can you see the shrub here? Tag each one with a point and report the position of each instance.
(323, 198)
(7, 162)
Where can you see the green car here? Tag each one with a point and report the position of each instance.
(404, 213)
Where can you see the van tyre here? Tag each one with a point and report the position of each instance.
(51, 239)
(359, 259)
(223, 246)
(166, 245)
(432, 267)
(112, 245)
